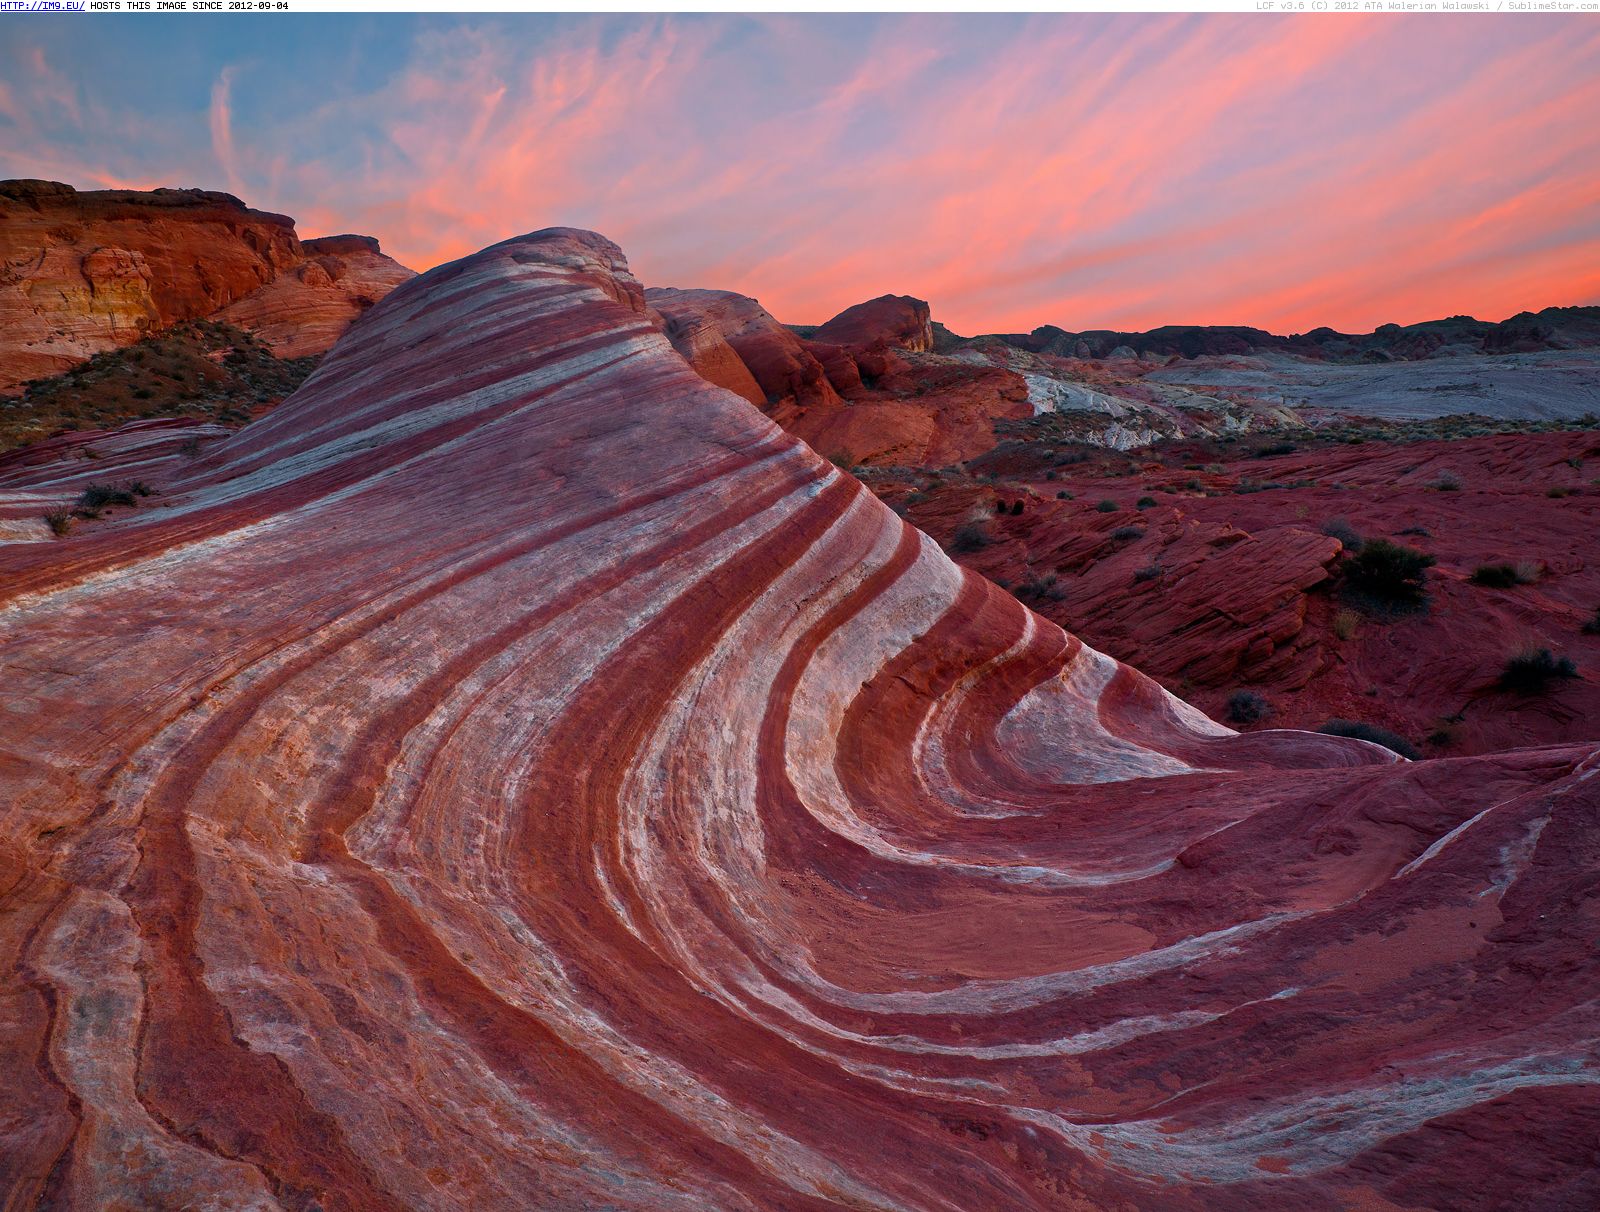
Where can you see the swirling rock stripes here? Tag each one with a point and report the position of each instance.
(515, 774)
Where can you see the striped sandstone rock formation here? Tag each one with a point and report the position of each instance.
(516, 774)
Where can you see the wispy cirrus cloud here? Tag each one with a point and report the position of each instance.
(1086, 171)
(222, 128)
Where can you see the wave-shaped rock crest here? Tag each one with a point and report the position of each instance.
(516, 774)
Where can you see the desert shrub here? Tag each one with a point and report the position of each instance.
(970, 537)
(1277, 448)
(98, 496)
(60, 520)
(1370, 732)
(1125, 534)
(1390, 572)
(1040, 587)
(1247, 707)
(1592, 627)
(1107, 506)
(1339, 528)
(1145, 502)
(1446, 481)
(1557, 491)
(1050, 475)
(1148, 573)
(1495, 576)
(1345, 624)
(1064, 495)
(1532, 670)
(1421, 532)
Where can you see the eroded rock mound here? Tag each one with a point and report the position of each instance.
(86, 272)
(515, 773)
(704, 323)
(897, 321)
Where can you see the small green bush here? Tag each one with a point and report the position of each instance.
(1126, 534)
(1145, 502)
(1040, 588)
(98, 496)
(1370, 732)
(969, 538)
(1390, 572)
(1495, 576)
(1532, 670)
(1247, 707)
(1107, 506)
(60, 521)
(1339, 528)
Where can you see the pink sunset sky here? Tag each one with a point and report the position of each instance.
(1085, 171)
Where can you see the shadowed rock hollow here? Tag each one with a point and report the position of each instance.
(515, 773)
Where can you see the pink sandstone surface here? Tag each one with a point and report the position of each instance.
(515, 773)
(85, 272)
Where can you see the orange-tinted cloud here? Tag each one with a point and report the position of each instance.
(1079, 170)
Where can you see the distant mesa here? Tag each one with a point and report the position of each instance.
(1526, 332)
(88, 271)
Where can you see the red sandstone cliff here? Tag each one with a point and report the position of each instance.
(84, 272)
(306, 309)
